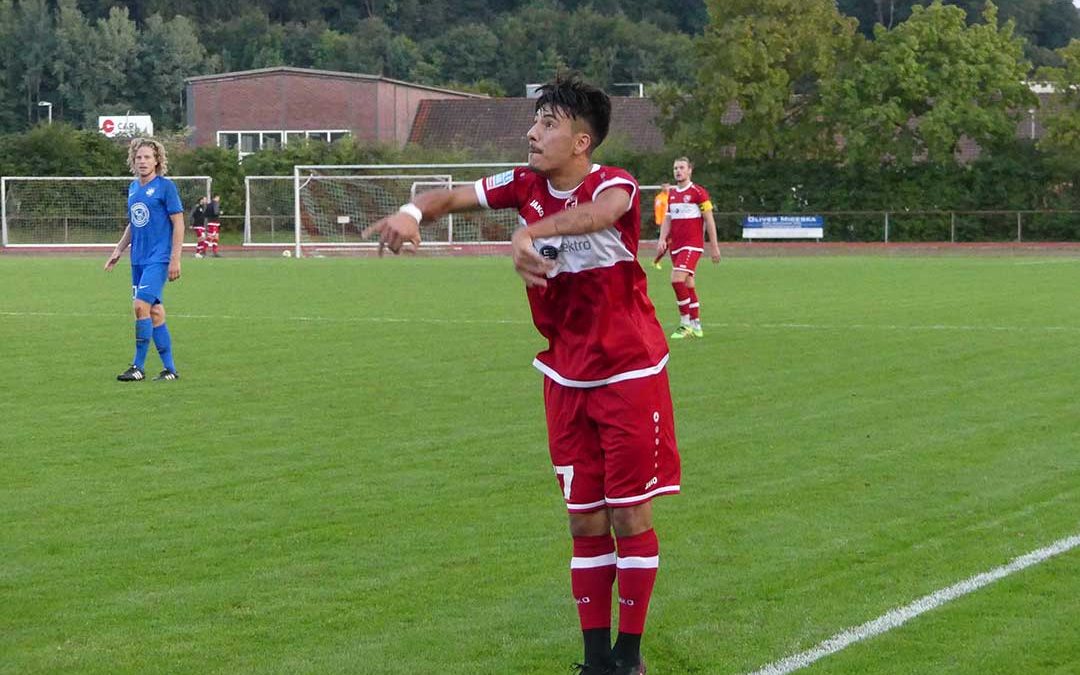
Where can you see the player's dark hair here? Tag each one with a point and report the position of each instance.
(571, 96)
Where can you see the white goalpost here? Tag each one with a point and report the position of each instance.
(75, 211)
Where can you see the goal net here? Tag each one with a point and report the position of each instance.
(334, 203)
(328, 206)
(75, 211)
(269, 211)
(333, 209)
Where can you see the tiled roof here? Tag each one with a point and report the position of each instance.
(312, 72)
(499, 125)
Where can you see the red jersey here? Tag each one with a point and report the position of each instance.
(686, 206)
(595, 312)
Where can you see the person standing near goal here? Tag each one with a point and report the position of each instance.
(213, 224)
(682, 234)
(198, 225)
(155, 232)
(611, 432)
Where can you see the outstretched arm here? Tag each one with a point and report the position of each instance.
(114, 257)
(404, 226)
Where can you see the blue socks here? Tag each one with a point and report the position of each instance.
(164, 346)
(144, 328)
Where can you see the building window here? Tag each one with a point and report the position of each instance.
(247, 142)
(250, 142)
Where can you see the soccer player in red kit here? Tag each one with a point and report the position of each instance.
(611, 434)
(682, 233)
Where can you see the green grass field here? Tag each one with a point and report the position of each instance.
(352, 475)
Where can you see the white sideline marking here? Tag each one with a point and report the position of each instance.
(237, 317)
(900, 616)
(899, 327)
(745, 326)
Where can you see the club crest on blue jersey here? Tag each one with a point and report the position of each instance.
(140, 214)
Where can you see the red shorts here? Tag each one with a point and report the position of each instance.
(200, 231)
(212, 229)
(685, 258)
(613, 445)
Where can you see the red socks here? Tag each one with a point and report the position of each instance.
(682, 297)
(638, 560)
(592, 573)
(695, 308)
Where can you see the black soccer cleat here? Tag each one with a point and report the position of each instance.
(588, 669)
(132, 374)
(167, 375)
(626, 669)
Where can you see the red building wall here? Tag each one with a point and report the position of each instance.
(372, 108)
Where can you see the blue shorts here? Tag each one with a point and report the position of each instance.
(148, 282)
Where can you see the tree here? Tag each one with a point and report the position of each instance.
(468, 53)
(169, 52)
(926, 84)
(528, 47)
(72, 60)
(248, 40)
(1062, 120)
(1046, 24)
(60, 150)
(115, 43)
(8, 65)
(34, 28)
(765, 57)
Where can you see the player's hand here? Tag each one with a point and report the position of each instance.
(111, 262)
(661, 247)
(394, 231)
(715, 253)
(530, 265)
(174, 269)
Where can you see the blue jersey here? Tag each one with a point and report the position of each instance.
(149, 208)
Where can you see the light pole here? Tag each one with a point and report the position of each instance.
(46, 104)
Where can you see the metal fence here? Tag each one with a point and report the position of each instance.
(929, 226)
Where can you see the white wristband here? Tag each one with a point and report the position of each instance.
(413, 211)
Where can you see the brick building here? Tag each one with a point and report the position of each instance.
(254, 109)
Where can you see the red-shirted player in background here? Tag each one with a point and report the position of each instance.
(610, 429)
(682, 234)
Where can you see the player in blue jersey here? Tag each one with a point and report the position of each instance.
(155, 232)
